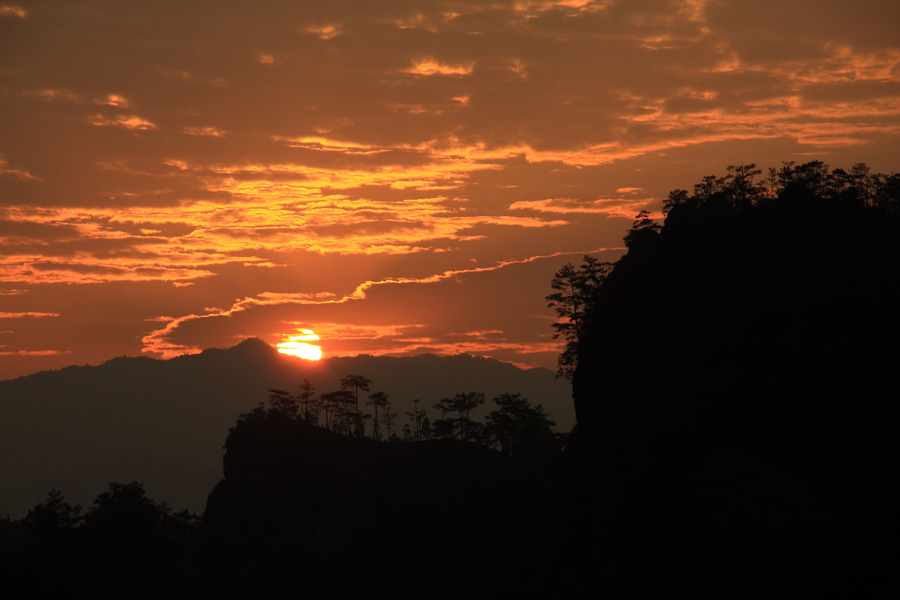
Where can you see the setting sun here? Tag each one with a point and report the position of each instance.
(298, 345)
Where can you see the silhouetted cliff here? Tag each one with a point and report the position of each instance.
(737, 386)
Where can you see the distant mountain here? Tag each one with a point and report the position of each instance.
(163, 422)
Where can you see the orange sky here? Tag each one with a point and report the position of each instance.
(398, 176)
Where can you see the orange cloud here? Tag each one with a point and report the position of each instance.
(429, 66)
(5, 169)
(114, 100)
(535, 8)
(53, 94)
(614, 207)
(33, 352)
(204, 131)
(11, 10)
(127, 122)
(325, 32)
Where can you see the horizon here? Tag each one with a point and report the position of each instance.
(397, 179)
(297, 359)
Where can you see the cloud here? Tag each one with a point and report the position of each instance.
(127, 122)
(429, 66)
(325, 32)
(608, 206)
(53, 94)
(11, 10)
(5, 169)
(205, 131)
(113, 100)
(34, 352)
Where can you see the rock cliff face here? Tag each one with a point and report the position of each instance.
(736, 397)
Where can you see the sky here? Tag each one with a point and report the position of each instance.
(398, 177)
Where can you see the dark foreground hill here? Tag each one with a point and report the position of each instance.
(353, 516)
(163, 423)
(302, 510)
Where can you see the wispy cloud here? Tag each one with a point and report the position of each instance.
(11, 10)
(126, 122)
(429, 66)
(609, 206)
(34, 352)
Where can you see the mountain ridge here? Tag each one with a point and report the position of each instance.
(163, 422)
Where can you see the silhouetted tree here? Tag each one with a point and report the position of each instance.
(377, 400)
(54, 518)
(642, 229)
(307, 391)
(389, 415)
(355, 383)
(341, 413)
(359, 423)
(519, 428)
(445, 427)
(575, 286)
(283, 402)
(416, 417)
(445, 405)
(463, 404)
(125, 517)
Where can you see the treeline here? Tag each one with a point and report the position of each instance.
(125, 542)
(742, 187)
(514, 427)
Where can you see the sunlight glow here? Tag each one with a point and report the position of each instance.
(297, 345)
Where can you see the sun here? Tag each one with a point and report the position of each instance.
(298, 345)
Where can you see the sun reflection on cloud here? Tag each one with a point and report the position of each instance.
(299, 346)
(430, 66)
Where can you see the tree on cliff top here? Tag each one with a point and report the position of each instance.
(575, 287)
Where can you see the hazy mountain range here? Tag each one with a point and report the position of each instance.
(163, 422)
